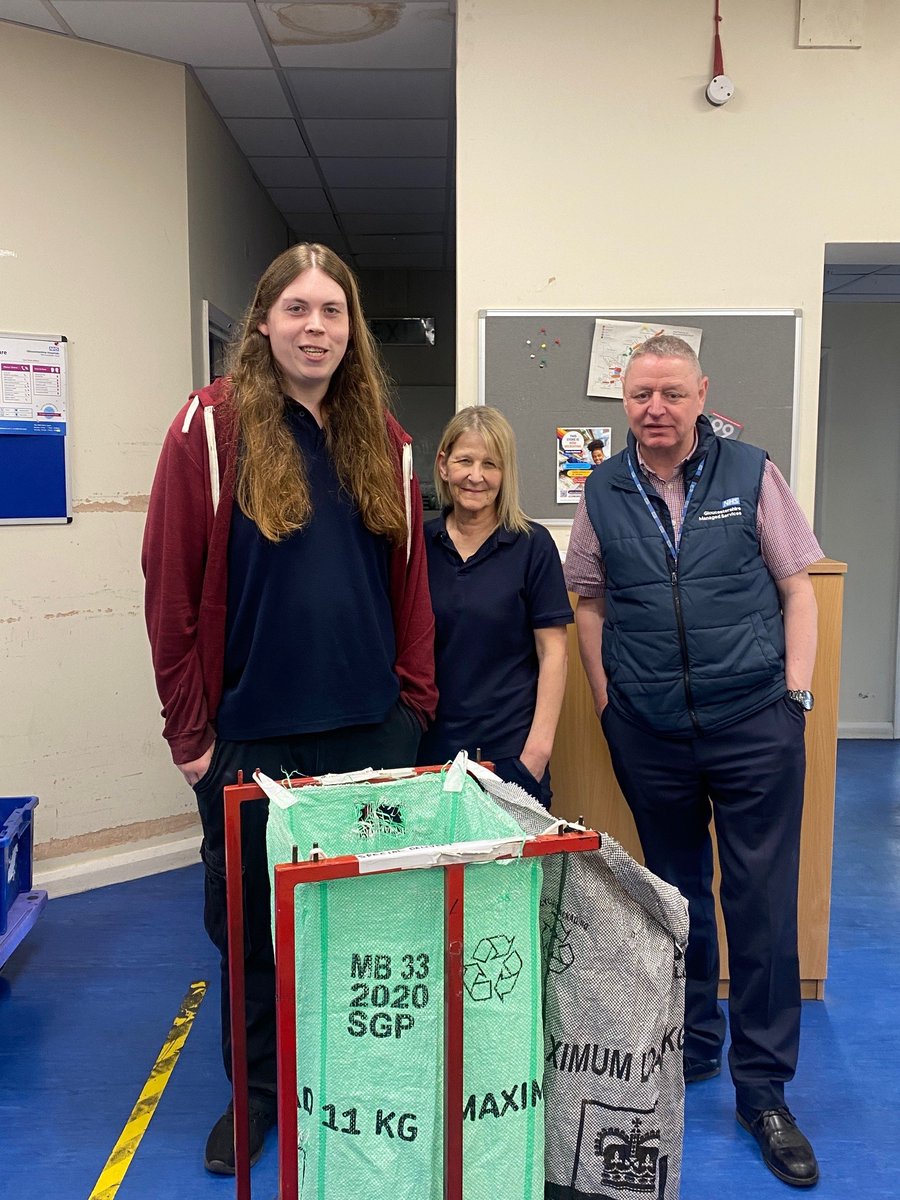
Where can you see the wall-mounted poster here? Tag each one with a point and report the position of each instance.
(34, 416)
(612, 347)
(578, 452)
(33, 384)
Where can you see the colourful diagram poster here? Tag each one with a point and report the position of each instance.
(613, 344)
(33, 384)
(579, 450)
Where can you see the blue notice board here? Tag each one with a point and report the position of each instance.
(34, 403)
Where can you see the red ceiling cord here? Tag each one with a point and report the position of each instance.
(720, 89)
(718, 65)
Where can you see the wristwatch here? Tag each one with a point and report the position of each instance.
(804, 699)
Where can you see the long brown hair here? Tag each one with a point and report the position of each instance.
(272, 486)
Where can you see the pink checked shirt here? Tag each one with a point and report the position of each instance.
(786, 542)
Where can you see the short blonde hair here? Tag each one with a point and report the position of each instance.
(497, 434)
(665, 345)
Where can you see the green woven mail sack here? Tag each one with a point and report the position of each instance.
(370, 998)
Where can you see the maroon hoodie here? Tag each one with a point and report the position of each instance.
(185, 563)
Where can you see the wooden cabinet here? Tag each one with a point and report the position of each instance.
(584, 784)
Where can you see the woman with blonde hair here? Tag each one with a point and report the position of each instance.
(286, 594)
(501, 609)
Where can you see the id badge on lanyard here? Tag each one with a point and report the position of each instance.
(672, 547)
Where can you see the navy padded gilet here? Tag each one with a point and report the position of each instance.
(693, 649)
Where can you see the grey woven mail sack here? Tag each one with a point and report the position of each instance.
(613, 938)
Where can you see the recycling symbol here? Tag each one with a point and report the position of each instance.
(494, 969)
(558, 952)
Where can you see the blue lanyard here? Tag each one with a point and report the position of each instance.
(673, 550)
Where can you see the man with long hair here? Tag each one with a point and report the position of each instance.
(286, 595)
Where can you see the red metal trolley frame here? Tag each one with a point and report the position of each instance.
(317, 869)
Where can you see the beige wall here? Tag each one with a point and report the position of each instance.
(98, 197)
(94, 210)
(234, 230)
(592, 171)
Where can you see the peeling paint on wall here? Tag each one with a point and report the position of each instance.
(133, 610)
(124, 504)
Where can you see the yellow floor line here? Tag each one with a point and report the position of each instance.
(122, 1153)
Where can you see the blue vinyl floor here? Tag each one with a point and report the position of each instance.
(88, 999)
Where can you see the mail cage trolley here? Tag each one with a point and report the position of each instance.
(401, 999)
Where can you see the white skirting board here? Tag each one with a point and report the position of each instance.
(865, 729)
(81, 872)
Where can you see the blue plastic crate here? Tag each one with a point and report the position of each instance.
(19, 904)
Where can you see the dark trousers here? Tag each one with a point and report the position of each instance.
(513, 770)
(391, 743)
(750, 775)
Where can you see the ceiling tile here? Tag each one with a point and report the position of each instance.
(422, 243)
(399, 262)
(360, 35)
(372, 94)
(371, 85)
(285, 172)
(299, 199)
(399, 139)
(384, 172)
(202, 34)
(315, 227)
(400, 200)
(247, 93)
(29, 12)
(259, 136)
(392, 222)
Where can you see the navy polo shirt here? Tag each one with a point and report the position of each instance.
(486, 610)
(309, 629)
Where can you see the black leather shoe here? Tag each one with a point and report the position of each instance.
(785, 1150)
(696, 1069)
(219, 1157)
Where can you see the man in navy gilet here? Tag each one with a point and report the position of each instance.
(697, 628)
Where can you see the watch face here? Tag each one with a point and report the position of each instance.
(804, 699)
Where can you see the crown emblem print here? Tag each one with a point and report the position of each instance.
(630, 1158)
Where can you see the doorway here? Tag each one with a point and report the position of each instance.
(857, 476)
